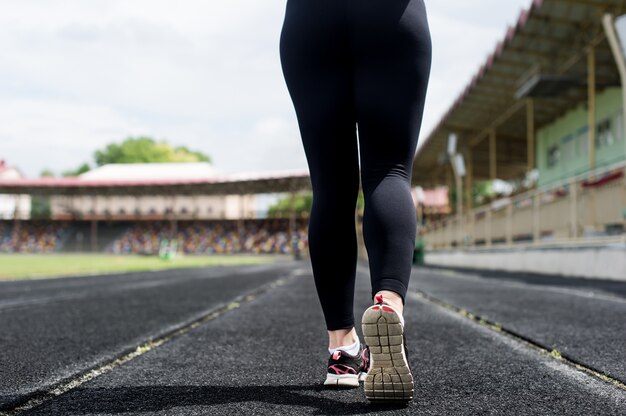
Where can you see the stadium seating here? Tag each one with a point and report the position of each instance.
(220, 237)
(258, 236)
(32, 236)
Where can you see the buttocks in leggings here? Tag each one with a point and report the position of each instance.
(365, 63)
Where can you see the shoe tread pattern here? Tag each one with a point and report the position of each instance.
(389, 378)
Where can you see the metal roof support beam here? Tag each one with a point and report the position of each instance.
(579, 56)
(530, 134)
(591, 99)
(498, 121)
(94, 235)
(492, 155)
(609, 28)
(469, 178)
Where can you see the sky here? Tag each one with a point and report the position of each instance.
(77, 75)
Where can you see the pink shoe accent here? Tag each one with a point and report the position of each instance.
(336, 354)
(342, 369)
(387, 309)
(378, 299)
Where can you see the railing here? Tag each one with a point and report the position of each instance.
(583, 209)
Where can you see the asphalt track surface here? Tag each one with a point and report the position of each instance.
(265, 354)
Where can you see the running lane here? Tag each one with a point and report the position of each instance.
(584, 320)
(53, 329)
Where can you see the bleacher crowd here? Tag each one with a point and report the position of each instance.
(260, 236)
(32, 237)
(219, 237)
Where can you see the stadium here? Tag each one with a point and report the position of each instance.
(149, 288)
(523, 120)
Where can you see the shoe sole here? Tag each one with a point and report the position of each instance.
(342, 380)
(389, 378)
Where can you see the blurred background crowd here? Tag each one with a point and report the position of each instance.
(32, 237)
(259, 236)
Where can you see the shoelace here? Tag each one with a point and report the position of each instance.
(378, 299)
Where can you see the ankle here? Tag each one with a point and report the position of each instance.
(342, 337)
(392, 299)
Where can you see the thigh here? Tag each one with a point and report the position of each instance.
(392, 54)
(318, 73)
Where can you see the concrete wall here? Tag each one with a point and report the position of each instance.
(606, 262)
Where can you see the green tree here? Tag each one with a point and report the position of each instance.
(481, 191)
(40, 207)
(303, 203)
(146, 150)
(46, 173)
(81, 169)
(282, 208)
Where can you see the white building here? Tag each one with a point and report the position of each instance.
(152, 206)
(13, 206)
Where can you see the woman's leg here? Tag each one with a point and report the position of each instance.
(392, 54)
(318, 71)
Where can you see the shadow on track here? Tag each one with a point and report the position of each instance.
(162, 398)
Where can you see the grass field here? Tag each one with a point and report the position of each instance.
(25, 266)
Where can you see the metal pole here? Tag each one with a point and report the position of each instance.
(591, 92)
(530, 134)
(94, 235)
(536, 218)
(509, 223)
(591, 97)
(459, 207)
(488, 225)
(493, 173)
(573, 208)
(609, 29)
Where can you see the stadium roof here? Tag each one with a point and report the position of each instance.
(242, 183)
(542, 57)
(151, 171)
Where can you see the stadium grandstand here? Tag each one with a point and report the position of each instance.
(133, 208)
(545, 113)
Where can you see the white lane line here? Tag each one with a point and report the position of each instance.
(516, 285)
(566, 365)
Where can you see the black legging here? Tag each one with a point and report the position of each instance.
(365, 62)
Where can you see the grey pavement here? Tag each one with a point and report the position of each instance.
(268, 356)
(51, 330)
(585, 322)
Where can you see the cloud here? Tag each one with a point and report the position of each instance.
(60, 135)
(75, 75)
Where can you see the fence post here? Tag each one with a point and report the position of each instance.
(488, 226)
(536, 218)
(509, 223)
(470, 227)
(573, 193)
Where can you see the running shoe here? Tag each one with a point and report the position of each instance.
(345, 370)
(389, 377)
